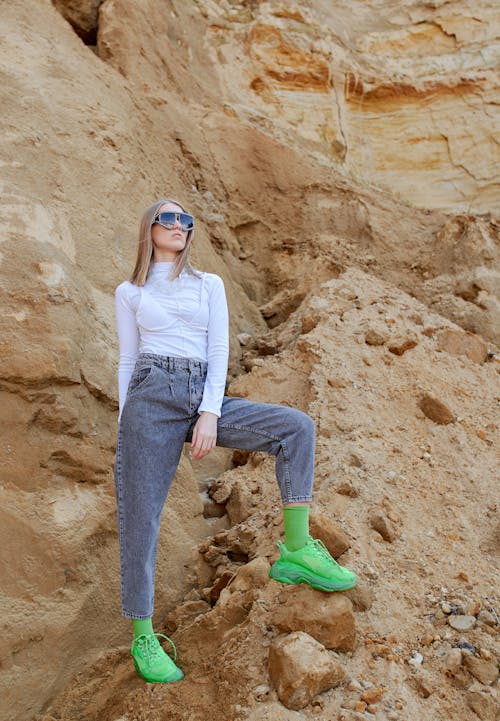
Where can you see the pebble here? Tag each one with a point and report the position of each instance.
(354, 685)
(416, 660)
(466, 646)
(486, 617)
(461, 623)
(454, 660)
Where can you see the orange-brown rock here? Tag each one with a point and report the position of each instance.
(334, 538)
(328, 618)
(300, 668)
(458, 342)
(436, 410)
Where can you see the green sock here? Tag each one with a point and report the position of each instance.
(296, 526)
(142, 625)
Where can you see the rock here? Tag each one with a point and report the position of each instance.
(461, 623)
(482, 703)
(380, 523)
(244, 338)
(436, 410)
(347, 489)
(309, 322)
(240, 503)
(212, 510)
(221, 488)
(327, 617)
(321, 526)
(453, 661)
(220, 585)
(372, 695)
(376, 336)
(486, 617)
(416, 660)
(261, 693)
(485, 671)
(185, 613)
(300, 668)
(423, 682)
(462, 342)
(251, 575)
(400, 345)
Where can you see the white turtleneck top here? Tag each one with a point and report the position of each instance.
(185, 317)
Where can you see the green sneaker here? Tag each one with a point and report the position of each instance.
(314, 565)
(150, 660)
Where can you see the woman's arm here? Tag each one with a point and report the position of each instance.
(217, 348)
(128, 337)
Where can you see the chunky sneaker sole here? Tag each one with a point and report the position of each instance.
(313, 565)
(301, 575)
(151, 662)
(176, 676)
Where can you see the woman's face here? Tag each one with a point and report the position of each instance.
(168, 243)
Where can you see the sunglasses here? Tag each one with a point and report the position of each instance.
(167, 220)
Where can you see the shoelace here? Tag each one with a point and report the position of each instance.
(319, 548)
(150, 646)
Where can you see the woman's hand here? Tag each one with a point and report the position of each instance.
(204, 435)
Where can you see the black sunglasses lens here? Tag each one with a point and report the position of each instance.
(168, 219)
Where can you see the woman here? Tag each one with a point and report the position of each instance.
(173, 335)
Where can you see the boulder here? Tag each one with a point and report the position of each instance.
(300, 668)
(327, 617)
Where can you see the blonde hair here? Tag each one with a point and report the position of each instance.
(145, 246)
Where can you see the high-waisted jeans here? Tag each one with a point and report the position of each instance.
(158, 417)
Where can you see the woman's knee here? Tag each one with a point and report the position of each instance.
(302, 423)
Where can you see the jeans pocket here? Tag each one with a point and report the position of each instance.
(139, 378)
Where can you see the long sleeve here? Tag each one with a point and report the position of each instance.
(128, 337)
(217, 349)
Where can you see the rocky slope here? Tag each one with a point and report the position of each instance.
(345, 300)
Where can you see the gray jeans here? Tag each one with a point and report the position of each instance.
(158, 417)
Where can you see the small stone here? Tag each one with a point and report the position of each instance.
(252, 575)
(461, 623)
(473, 608)
(354, 685)
(400, 345)
(376, 336)
(392, 716)
(481, 702)
(321, 526)
(459, 342)
(261, 693)
(466, 646)
(244, 338)
(416, 660)
(423, 683)
(445, 607)
(347, 489)
(382, 525)
(486, 617)
(485, 671)
(309, 322)
(372, 695)
(436, 410)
